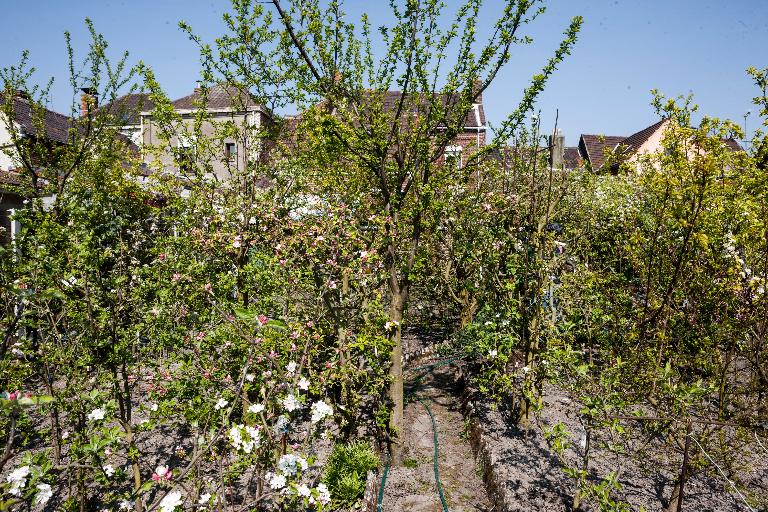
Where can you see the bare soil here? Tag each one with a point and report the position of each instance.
(530, 476)
(412, 487)
(524, 474)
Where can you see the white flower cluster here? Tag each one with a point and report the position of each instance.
(320, 411)
(291, 403)
(44, 493)
(244, 438)
(289, 464)
(18, 480)
(171, 501)
(288, 467)
(96, 414)
(323, 495)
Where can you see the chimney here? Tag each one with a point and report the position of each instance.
(89, 101)
(557, 149)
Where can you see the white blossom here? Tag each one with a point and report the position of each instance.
(320, 410)
(303, 491)
(205, 498)
(289, 464)
(96, 414)
(18, 479)
(256, 408)
(303, 384)
(276, 481)
(291, 403)
(171, 501)
(44, 493)
(323, 494)
(291, 367)
(109, 470)
(220, 404)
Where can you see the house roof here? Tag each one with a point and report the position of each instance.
(733, 145)
(56, 125)
(636, 140)
(219, 96)
(475, 117)
(572, 158)
(9, 178)
(128, 108)
(594, 147)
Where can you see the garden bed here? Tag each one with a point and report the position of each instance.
(523, 473)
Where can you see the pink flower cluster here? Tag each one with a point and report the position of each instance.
(162, 474)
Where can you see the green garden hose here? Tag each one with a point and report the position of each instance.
(434, 461)
(380, 497)
(429, 368)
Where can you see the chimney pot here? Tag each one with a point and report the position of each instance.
(557, 149)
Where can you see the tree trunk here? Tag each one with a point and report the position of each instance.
(396, 372)
(676, 501)
(468, 308)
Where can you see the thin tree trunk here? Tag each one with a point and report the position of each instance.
(396, 393)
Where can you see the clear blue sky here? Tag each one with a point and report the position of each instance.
(626, 48)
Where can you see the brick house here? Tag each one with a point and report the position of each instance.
(469, 140)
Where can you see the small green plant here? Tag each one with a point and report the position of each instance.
(410, 463)
(346, 471)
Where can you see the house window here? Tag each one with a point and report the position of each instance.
(230, 151)
(453, 155)
(185, 156)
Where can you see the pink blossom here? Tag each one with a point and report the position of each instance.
(262, 320)
(207, 287)
(161, 257)
(176, 277)
(162, 473)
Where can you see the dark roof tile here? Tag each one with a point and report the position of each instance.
(594, 147)
(219, 97)
(128, 108)
(56, 125)
(572, 158)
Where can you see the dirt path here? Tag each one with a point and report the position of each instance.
(412, 487)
